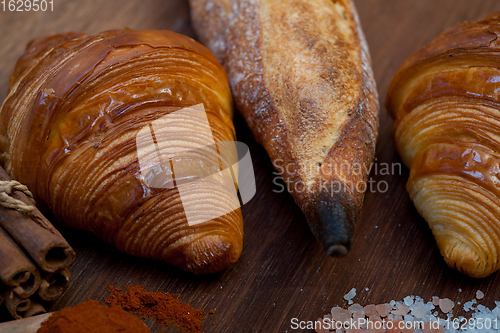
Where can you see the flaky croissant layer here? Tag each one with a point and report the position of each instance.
(70, 131)
(445, 102)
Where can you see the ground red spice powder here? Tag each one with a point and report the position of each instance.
(163, 307)
(90, 317)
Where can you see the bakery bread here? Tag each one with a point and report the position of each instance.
(96, 125)
(301, 77)
(445, 103)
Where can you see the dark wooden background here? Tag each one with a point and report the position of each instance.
(283, 272)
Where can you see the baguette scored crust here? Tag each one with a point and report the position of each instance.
(301, 77)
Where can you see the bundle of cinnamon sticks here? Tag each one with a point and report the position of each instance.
(34, 259)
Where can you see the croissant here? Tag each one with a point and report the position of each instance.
(93, 124)
(300, 72)
(445, 103)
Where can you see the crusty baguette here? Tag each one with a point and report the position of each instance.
(300, 75)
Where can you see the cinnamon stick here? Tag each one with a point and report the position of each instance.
(34, 310)
(15, 304)
(46, 246)
(16, 269)
(54, 285)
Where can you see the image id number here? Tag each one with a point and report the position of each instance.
(27, 5)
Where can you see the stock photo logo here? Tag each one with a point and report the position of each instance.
(179, 151)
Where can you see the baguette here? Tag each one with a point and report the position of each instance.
(300, 75)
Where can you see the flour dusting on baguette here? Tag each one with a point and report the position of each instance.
(301, 77)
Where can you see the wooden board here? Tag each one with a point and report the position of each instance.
(283, 273)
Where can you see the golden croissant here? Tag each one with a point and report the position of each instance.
(75, 128)
(445, 103)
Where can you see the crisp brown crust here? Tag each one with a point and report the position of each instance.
(300, 75)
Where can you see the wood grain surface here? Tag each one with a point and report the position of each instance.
(283, 272)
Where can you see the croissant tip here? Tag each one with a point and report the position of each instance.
(465, 258)
(211, 254)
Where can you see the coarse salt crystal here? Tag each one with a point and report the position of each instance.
(429, 317)
(419, 310)
(350, 295)
(468, 306)
(446, 305)
(409, 317)
(429, 306)
(435, 300)
(335, 310)
(370, 310)
(383, 309)
(481, 308)
(408, 300)
(343, 315)
(355, 307)
(358, 315)
(479, 294)
(401, 311)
